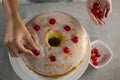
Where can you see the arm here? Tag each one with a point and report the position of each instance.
(10, 8)
(16, 33)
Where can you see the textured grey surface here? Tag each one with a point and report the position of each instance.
(109, 33)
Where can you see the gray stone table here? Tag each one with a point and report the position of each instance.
(109, 33)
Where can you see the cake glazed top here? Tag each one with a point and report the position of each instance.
(62, 41)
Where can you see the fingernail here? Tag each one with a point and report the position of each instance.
(36, 52)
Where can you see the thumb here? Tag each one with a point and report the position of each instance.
(108, 10)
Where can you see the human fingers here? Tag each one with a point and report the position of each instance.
(93, 18)
(89, 5)
(34, 49)
(15, 50)
(21, 48)
(101, 21)
(108, 10)
(10, 50)
(100, 15)
(18, 52)
(32, 43)
(102, 11)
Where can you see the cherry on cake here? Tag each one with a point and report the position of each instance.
(62, 41)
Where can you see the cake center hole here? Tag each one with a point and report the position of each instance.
(54, 38)
(54, 42)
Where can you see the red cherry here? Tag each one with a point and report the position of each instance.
(96, 6)
(66, 50)
(36, 52)
(95, 51)
(75, 39)
(100, 15)
(93, 55)
(67, 28)
(94, 58)
(52, 21)
(95, 63)
(52, 58)
(95, 11)
(98, 55)
(92, 51)
(36, 27)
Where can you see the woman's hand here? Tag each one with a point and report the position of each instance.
(17, 37)
(105, 7)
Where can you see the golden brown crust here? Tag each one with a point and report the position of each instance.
(57, 75)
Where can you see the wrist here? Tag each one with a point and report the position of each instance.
(15, 16)
(10, 11)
